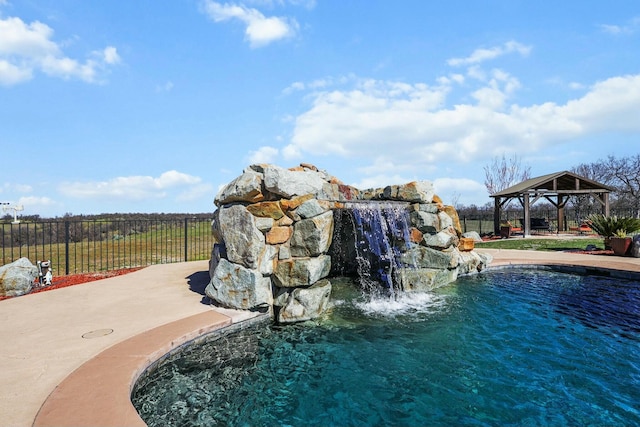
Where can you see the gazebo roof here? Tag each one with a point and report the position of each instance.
(565, 183)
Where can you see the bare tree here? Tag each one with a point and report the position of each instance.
(455, 199)
(596, 171)
(624, 176)
(503, 173)
(585, 204)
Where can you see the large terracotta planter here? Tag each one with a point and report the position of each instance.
(620, 245)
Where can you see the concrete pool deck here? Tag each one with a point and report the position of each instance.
(69, 356)
(65, 351)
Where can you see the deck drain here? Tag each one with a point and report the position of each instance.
(97, 333)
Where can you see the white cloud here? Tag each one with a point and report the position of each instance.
(263, 155)
(414, 125)
(309, 4)
(110, 55)
(165, 87)
(260, 30)
(174, 178)
(614, 29)
(15, 188)
(630, 28)
(380, 180)
(197, 192)
(497, 91)
(292, 152)
(294, 87)
(458, 185)
(25, 48)
(131, 187)
(31, 203)
(480, 55)
(462, 191)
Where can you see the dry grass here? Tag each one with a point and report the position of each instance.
(111, 249)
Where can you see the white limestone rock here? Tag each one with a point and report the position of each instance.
(473, 235)
(425, 279)
(441, 240)
(245, 188)
(17, 277)
(424, 257)
(426, 222)
(243, 240)
(235, 286)
(309, 209)
(312, 237)
(287, 183)
(301, 272)
(415, 192)
(305, 303)
(470, 262)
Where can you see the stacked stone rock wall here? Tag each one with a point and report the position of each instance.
(274, 226)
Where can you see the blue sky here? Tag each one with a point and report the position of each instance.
(147, 106)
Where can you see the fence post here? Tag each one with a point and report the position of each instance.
(186, 229)
(66, 247)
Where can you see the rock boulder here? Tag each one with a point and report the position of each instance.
(302, 304)
(17, 277)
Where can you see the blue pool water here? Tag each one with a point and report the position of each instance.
(510, 347)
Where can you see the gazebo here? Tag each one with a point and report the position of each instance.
(556, 188)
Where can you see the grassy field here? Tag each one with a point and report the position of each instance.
(546, 244)
(102, 246)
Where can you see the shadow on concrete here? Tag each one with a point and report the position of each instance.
(197, 282)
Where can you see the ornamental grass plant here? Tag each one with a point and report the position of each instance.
(610, 226)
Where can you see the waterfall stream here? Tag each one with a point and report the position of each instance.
(368, 240)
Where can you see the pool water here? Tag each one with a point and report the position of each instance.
(507, 347)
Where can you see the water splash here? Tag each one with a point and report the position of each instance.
(416, 305)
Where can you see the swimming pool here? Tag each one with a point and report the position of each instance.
(507, 347)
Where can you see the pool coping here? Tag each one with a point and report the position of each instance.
(99, 391)
(613, 266)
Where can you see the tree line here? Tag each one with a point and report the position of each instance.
(112, 217)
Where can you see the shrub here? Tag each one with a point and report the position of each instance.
(609, 226)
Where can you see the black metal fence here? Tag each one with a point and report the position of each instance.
(482, 222)
(82, 246)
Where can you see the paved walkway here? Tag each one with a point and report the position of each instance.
(502, 257)
(41, 335)
(68, 345)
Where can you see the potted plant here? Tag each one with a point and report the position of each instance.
(620, 243)
(505, 229)
(614, 228)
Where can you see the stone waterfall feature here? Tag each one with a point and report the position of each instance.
(278, 230)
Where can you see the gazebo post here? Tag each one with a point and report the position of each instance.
(560, 209)
(496, 215)
(527, 220)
